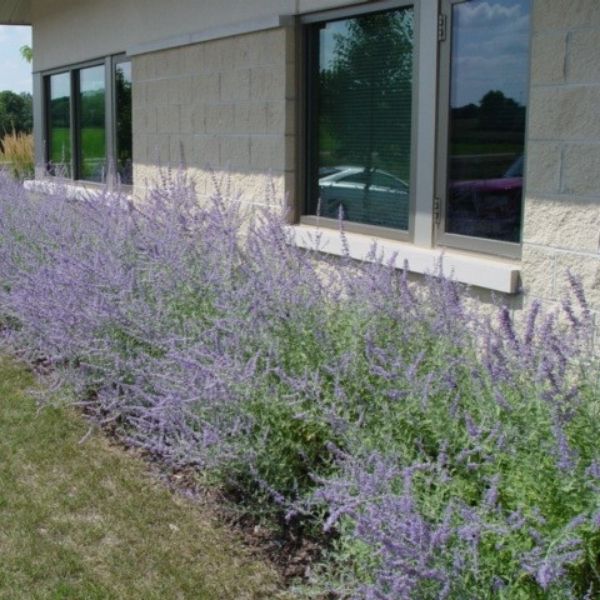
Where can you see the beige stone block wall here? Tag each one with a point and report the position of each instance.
(224, 109)
(562, 203)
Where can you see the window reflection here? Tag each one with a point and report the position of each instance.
(362, 102)
(92, 126)
(488, 99)
(59, 125)
(123, 122)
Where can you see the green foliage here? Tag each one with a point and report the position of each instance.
(27, 53)
(16, 112)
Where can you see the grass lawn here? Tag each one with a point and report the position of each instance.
(88, 521)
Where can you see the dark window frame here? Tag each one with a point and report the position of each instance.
(436, 206)
(109, 63)
(115, 60)
(442, 238)
(307, 164)
(46, 111)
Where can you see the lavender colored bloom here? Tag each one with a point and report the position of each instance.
(435, 440)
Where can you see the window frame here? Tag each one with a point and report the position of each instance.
(429, 132)
(109, 63)
(442, 238)
(308, 111)
(46, 112)
(117, 59)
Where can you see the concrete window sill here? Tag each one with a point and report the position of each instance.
(490, 273)
(72, 189)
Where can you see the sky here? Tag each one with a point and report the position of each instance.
(490, 50)
(15, 72)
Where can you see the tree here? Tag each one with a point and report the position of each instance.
(16, 112)
(497, 112)
(26, 53)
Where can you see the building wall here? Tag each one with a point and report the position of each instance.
(228, 107)
(224, 108)
(71, 31)
(562, 206)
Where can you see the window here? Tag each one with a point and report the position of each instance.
(88, 122)
(123, 137)
(362, 70)
(91, 125)
(59, 123)
(483, 108)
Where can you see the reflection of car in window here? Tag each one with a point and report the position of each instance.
(368, 196)
(488, 207)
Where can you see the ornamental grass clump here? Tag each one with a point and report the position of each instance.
(16, 154)
(445, 449)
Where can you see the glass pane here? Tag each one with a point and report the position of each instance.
(92, 134)
(488, 100)
(123, 122)
(362, 78)
(59, 125)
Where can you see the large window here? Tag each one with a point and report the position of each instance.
(484, 102)
(59, 123)
(361, 71)
(123, 134)
(88, 122)
(91, 124)
(362, 80)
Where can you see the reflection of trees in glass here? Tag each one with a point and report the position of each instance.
(92, 124)
(123, 121)
(92, 108)
(60, 112)
(496, 111)
(59, 154)
(366, 92)
(15, 112)
(496, 125)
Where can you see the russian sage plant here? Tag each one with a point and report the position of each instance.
(448, 450)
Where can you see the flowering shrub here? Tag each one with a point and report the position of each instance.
(454, 452)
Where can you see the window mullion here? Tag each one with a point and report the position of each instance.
(424, 147)
(75, 133)
(109, 121)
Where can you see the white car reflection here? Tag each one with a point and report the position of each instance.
(374, 197)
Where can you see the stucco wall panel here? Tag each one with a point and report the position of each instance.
(565, 14)
(548, 57)
(581, 170)
(96, 28)
(543, 167)
(583, 64)
(570, 112)
(562, 207)
(554, 223)
(230, 117)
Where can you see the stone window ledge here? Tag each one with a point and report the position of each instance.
(73, 190)
(489, 273)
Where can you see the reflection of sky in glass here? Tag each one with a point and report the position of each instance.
(60, 86)
(328, 42)
(92, 79)
(490, 50)
(125, 69)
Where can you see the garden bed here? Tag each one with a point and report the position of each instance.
(440, 449)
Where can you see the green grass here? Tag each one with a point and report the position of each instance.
(87, 521)
(60, 145)
(93, 145)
